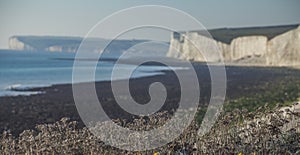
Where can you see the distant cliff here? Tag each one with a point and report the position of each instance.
(66, 44)
(274, 46)
(44, 43)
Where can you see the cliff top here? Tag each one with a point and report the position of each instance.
(226, 35)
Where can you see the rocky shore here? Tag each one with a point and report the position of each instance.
(20, 115)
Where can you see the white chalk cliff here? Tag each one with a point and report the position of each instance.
(270, 46)
(44, 43)
(67, 44)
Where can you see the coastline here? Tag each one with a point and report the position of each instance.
(18, 113)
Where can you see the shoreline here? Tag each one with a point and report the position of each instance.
(18, 113)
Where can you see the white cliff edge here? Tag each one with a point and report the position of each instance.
(281, 50)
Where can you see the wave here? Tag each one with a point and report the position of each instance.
(20, 93)
(21, 90)
(22, 87)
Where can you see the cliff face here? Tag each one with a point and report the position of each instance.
(264, 46)
(47, 43)
(198, 46)
(285, 49)
(15, 43)
(247, 47)
(67, 44)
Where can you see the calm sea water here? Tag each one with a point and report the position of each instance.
(21, 70)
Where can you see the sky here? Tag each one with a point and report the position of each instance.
(77, 17)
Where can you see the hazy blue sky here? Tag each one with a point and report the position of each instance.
(76, 17)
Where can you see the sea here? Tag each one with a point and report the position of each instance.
(22, 70)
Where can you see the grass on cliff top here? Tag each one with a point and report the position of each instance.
(277, 93)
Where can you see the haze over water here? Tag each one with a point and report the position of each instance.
(23, 69)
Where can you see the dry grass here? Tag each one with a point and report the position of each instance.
(274, 132)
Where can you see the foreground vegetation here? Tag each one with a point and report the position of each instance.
(277, 132)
